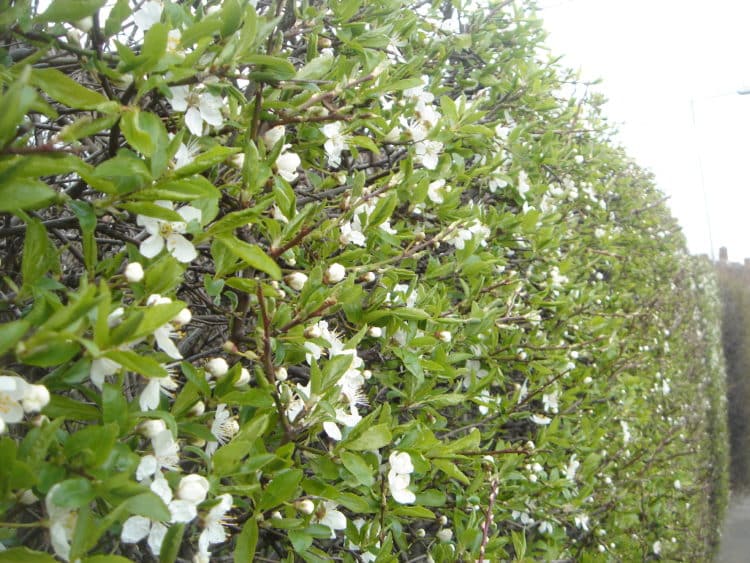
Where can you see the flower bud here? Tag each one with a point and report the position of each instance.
(368, 277)
(444, 336)
(193, 488)
(183, 317)
(324, 42)
(305, 506)
(237, 160)
(281, 373)
(150, 428)
(445, 535)
(335, 273)
(420, 533)
(28, 497)
(375, 331)
(39, 420)
(244, 378)
(217, 367)
(35, 398)
(134, 272)
(84, 24)
(274, 135)
(229, 347)
(313, 332)
(296, 280)
(276, 515)
(197, 409)
(442, 520)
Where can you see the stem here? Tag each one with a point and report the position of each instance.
(488, 519)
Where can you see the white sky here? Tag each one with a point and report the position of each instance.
(654, 57)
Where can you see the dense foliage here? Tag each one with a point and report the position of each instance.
(734, 285)
(338, 281)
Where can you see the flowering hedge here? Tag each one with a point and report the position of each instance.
(337, 281)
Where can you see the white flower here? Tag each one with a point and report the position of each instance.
(657, 547)
(677, 484)
(427, 153)
(134, 272)
(224, 427)
(551, 401)
(17, 397)
(183, 317)
(198, 107)
(287, 163)
(375, 331)
(165, 456)
(296, 280)
(169, 232)
(274, 135)
(335, 273)
(414, 129)
(62, 524)
(625, 431)
(399, 477)
(135, 528)
(570, 470)
(436, 191)
(327, 515)
(582, 521)
(148, 14)
(545, 527)
(186, 153)
(335, 143)
(217, 367)
(351, 233)
(149, 398)
(523, 183)
(540, 419)
(214, 522)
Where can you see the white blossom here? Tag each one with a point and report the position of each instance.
(149, 397)
(427, 153)
(18, 397)
(327, 515)
(399, 477)
(224, 427)
(217, 367)
(148, 14)
(287, 163)
(274, 135)
(199, 107)
(169, 233)
(436, 191)
(214, 523)
(62, 524)
(336, 142)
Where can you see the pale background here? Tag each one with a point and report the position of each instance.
(655, 57)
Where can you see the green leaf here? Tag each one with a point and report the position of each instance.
(91, 444)
(414, 512)
(70, 11)
(24, 193)
(137, 362)
(251, 254)
(116, 17)
(170, 547)
(228, 458)
(281, 488)
(373, 438)
(11, 333)
(152, 210)
(106, 559)
(247, 540)
(25, 555)
(74, 493)
(60, 87)
(65, 407)
(148, 504)
(359, 468)
(213, 156)
(16, 102)
(274, 67)
(157, 316)
(184, 189)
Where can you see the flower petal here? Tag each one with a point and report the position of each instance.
(194, 121)
(181, 248)
(156, 537)
(332, 430)
(179, 100)
(135, 529)
(210, 108)
(152, 246)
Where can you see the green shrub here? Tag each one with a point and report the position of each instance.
(338, 281)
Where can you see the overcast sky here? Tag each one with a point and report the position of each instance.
(657, 58)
